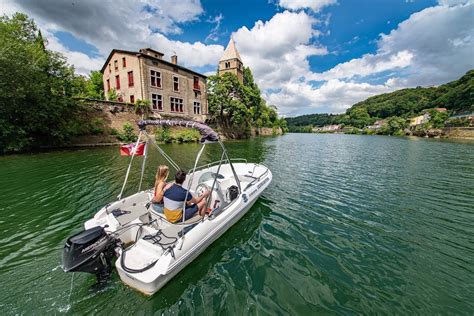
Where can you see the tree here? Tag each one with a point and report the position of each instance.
(358, 117)
(113, 95)
(394, 126)
(437, 119)
(36, 88)
(227, 101)
(143, 107)
(95, 85)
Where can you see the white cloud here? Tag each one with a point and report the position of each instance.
(277, 50)
(431, 47)
(366, 65)
(315, 5)
(453, 2)
(299, 97)
(122, 24)
(214, 33)
(83, 63)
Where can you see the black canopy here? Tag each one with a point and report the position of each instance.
(207, 133)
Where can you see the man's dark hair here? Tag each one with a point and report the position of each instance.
(180, 176)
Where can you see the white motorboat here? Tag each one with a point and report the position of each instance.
(150, 250)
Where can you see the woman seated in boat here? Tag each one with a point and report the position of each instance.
(175, 196)
(160, 187)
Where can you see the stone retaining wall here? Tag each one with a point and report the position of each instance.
(459, 132)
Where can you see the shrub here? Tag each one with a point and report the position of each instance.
(97, 126)
(162, 134)
(142, 107)
(128, 135)
(186, 136)
(112, 95)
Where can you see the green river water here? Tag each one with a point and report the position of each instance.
(350, 224)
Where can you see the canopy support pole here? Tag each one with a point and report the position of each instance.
(143, 166)
(231, 166)
(214, 182)
(190, 182)
(134, 151)
(168, 158)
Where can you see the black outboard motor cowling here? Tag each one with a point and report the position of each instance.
(90, 251)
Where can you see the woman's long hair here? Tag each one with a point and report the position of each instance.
(161, 174)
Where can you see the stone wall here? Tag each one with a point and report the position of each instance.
(266, 131)
(459, 132)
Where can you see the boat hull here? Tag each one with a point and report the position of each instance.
(163, 263)
(150, 288)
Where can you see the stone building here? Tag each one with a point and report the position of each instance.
(172, 89)
(231, 62)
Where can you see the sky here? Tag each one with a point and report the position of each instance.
(307, 56)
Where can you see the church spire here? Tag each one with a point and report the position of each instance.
(231, 61)
(231, 51)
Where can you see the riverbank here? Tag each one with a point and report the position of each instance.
(447, 132)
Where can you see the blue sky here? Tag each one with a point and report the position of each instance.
(308, 56)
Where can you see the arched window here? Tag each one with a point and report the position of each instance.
(227, 64)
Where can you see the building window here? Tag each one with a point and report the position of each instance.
(120, 99)
(176, 84)
(227, 64)
(157, 102)
(117, 82)
(155, 78)
(197, 107)
(124, 62)
(116, 65)
(130, 78)
(110, 68)
(132, 99)
(108, 85)
(177, 105)
(196, 83)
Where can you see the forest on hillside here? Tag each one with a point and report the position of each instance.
(457, 96)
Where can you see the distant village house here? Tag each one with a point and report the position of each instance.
(377, 125)
(172, 89)
(425, 118)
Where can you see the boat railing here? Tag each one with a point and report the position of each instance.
(214, 163)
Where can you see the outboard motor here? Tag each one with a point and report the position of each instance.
(90, 251)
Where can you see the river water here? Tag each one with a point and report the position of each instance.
(350, 224)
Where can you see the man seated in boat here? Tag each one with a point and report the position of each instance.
(175, 196)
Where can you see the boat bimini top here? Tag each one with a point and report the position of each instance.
(208, 136)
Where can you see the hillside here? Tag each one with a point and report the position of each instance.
(456, 96)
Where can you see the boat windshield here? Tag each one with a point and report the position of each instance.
(209, 176)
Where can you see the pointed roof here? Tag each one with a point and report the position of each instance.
(230, 52)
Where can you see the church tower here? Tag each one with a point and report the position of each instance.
(231, 62)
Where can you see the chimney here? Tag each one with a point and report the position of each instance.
(174, 59)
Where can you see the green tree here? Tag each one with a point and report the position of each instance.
(143, 107)
(95, 85)
(227, 103)
(438, 119)
(112, 95)
(394, 126)
(36, 88)
(358, 117)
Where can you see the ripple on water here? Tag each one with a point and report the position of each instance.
(350, 224)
